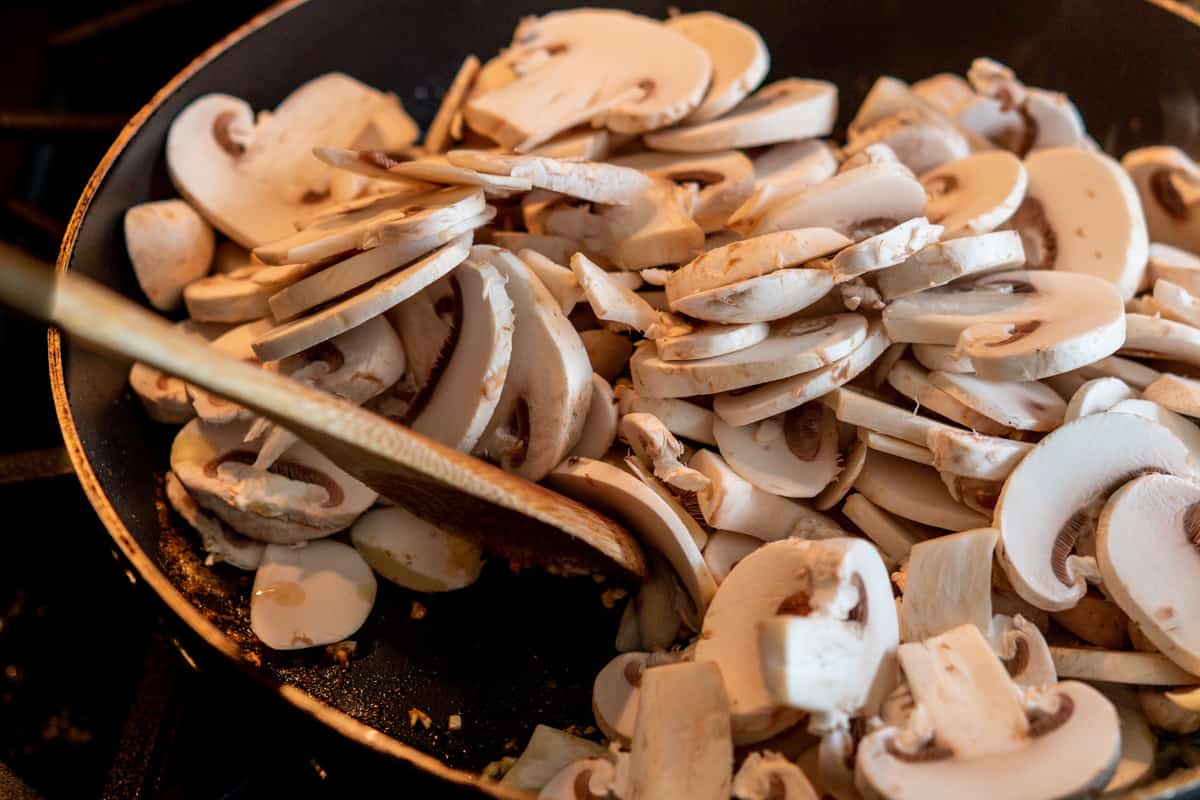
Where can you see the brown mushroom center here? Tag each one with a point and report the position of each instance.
(1044, 722)
(939, 186)
(1019, 661)
(1038, 238)
(583, 786)
(224, 136)
(312, 196)
(292, 470)
(1191, 524)
(1166, 192)
(703, 177)
(450, 309)
(929, 752)
(797, 604)
(633, 672)
(776, 788)
(1018, 332)
(376, 158)
(859, 612)
(802, 430)
(647, 85)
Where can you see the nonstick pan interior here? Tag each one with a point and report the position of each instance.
(513, 650)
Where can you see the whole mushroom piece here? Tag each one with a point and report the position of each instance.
(170, 246)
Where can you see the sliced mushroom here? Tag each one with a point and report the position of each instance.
(243, 294)
(600, 424)
(975, 493)
(1050, 118)
(618, 70)
(550, 751)
(1024, 651)
(655, 445)
(946, 91)
(1044, 508)
(873, 153)
(613, 302)
(615, 695)
(725, 549)
(547, 392)
(596, 182)
(786, 168)
(762, 299)
(1154, 337)
(856, 408)
(415, 553)
(710, 340)
(949, 583)
(170, 245)
(1168, 182)
(604, 775)
(1096, 396)
(851, 465)
(883, 250)
(976, 194)
(413, 174)
(220, 543)
(309, 596)
(1176, 393)
(1166, 263)
(608, 353)
(914, 383)
(1116, 666)
(1024, 405)
(1082, 214)
(897, 447)
(794, 346)
(1176, 303)
(891, 535)
(557, 249)
(559, 280)
(770, 776)
(681, 417)
(782, 111)
(724, 180)
(236, 342)
(913, 492)
(794, 454)
(974, 455)
(1139, 376)
(1164, 710)
(920, 140)
(940, 263)
(942, 358)
(1020, 325)
(1096, 621)
(738, 54)
(583, 143)
(166, 398)
(438, 137)
(685, 506)
(1184, 429)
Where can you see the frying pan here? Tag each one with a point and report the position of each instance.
(513, 650)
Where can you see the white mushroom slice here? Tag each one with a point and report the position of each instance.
(547, 392)
(738, 54)
(1023, 650)
(230, 256)
(608, 353)
(1177, 393)
(873, 153)
(1183, 428)
(1096, 396)
(655, 445)
(977, 493)
(377, 220)
(949, 583)
(584, 144)
(303, 496)
(855, 408)
(791, 455)
(682, 749)
(309, 596)
(794, 346)
(725, 549)
(770, 776)
(725, 180)
(914, 383)
(550, 752)
(611, 301)
(1115, 666)
(913, 492)
(362, 268)
(603, 775)
(616, 492)
(253, 178)
(851, 465)
(1154, 337)
(415, 174)
(166, 398)
(894, 539)
(559, 280)
(1148, 557)
(685, 506)
(437, 138)
(896, 447)
(734, 504)
(1137, 375)
(858, 204)
(301, 334)
(1024, 405)
(596, 182)
(221, 544)
(1050, 118)
(1168, 182)
(241, 295)
(976, 194)
(884, 250)
(762, 299)
(709, 340)
(889, 97)
(782, 111)
(884, 365)
(920, 140)
(974, 455)
(1043, 509)
(170, 245)
(600, 424)
(751, 258)
(557, 249)
(681, 417)
(629, 633)
(994, 122)
(1139, 747)
(857, 294)
(1082, 214)
(786, 168)
(414, 553)
(615, 695)
(1020, 325)
(618, 70)
(943, 262)
(942, 358)
(1176, 303)
(236, 342)
(1166, 263)
(946, 91)
(1096, 620)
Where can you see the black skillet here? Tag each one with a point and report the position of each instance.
(513, 650)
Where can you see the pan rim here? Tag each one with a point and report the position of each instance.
(339, 721)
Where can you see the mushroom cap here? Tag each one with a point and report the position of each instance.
(709, 340)
(591, 64)
(414, 553)
(761, 299)
(975, 194)
(1020, 325)
(597, 182)
(738, 54)
(884, 250)
(943, 262)
(1024, 405)
(794, 454)
(309, 596)
(1118, 666)
(170, 245)
(615, 695)
(725, 180)
(770, 776)
(1166, 180)
(1096, 396)
(725, 549)
(1076, 465)
(913, 492)
(788, 109)
(949, 583)
(794, 345)
(1166, 263)
(1148, 559)
(600, 424)
(914, 382)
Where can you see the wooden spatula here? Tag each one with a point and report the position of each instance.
(530, 525)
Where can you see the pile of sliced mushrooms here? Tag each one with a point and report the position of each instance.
(907, 426)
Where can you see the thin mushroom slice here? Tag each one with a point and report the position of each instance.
(1096, 396)
(618, 70)
(613, 302)
(544, 403)
(1082, 214)
(1147, 552)
(1137, 375)
(1176, 303)
(1183, 428)
(948, 583)
(896, 447)
(792, 455)
(974, 455)
(600, 424)
(242, 294)
(551, 754)
(943, 262)
(762, 299)
(615, 695)
(582, 143)
(557, 249)
(1021, 325)
(681, 417)
(883, 250)
(1119, 666)
(913, 492)
(236, 342)
(304, 332)
(709, 340)
(724, 180)
(1154, 337)
(856, 204)
(856, 408)
(725, 549)
(438, 137)
(602, 775)
(770, 776)
(1168, 182)
(889, 533)
(310, 596)
(914, 383)
(1050, 118)
(1044, 508)
(1139, 746)
(873, 153)
(850, 465)
(918, 139)
(1166, 263)
(415, 553)
(596, 182)
(946, 91)
(169, 245)
(942, 358)
(782, 111)
(1177, 393)
(655, 446)
(1024, 405)
(786, 168)
(221, 544)
(415, 174)
(739, 59)
(976, 194)
(1023, 650)
(683, 503)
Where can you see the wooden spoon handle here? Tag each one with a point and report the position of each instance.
(515, 517)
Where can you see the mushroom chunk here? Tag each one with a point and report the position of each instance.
(913, 492)
(770, 776)
(1148, 558)
(544, 403)
(1168, 182)
(170, 245)
(793, 454)
(655, 445)
(738, 54)
(1021, 325)
(309, 596)
(975, 194)
(1065, 744)
(943, 262)
(1024, 405)
(600, 424)
(414, 553)
(1096, 396)
(303, 496)
(724, 180)
(220, 543)
(948, 583)
(1049, 501)
(550, 752)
